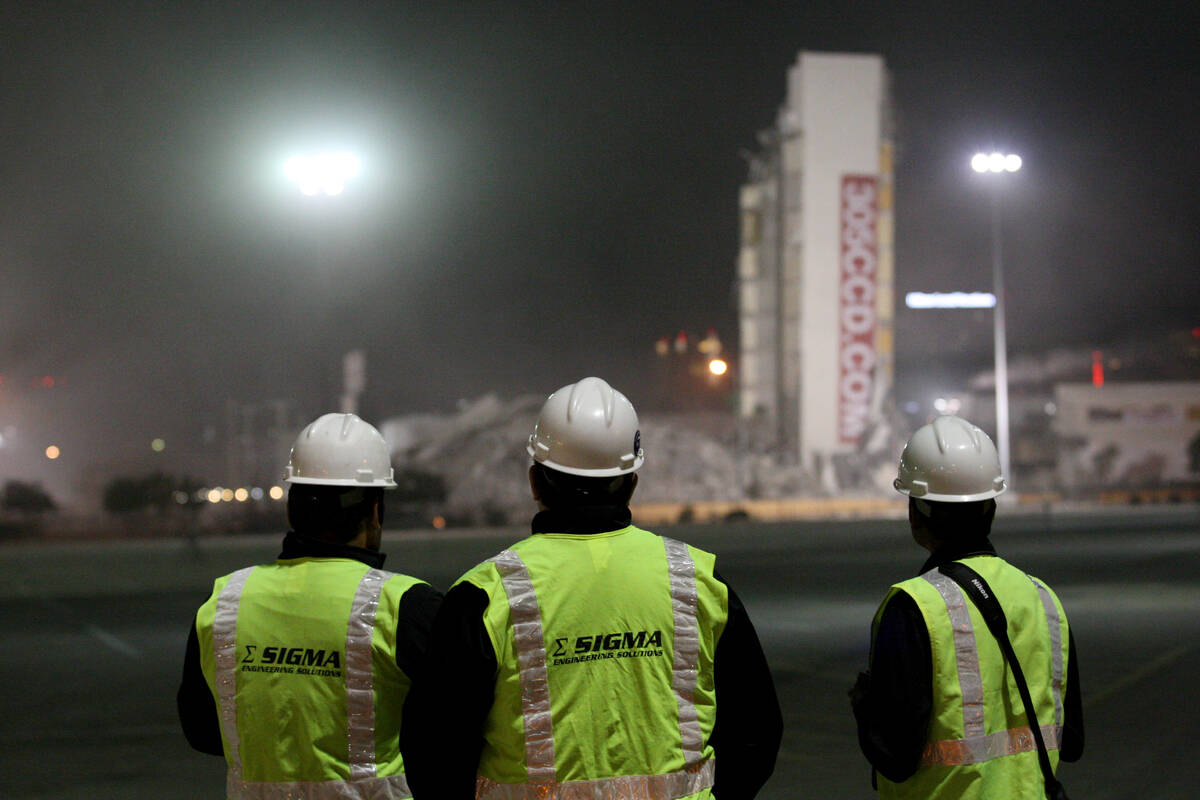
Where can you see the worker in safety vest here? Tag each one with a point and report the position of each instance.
(939, 713)
(298, 671)
(595, 659)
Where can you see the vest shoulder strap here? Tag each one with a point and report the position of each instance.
(976, 588)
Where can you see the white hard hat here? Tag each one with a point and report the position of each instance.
(950, 461)
(340, 450)
(587, 428)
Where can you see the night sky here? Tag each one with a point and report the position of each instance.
(547, 189)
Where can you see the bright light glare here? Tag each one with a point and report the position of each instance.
(241, 495)
(276, 492)
(950, 300)
(214, 495)
(52, 452)
(227, 495)
(717, 367)
(323, 173)
(995, 162)
(947, 406)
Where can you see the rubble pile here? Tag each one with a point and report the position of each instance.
(479, 453)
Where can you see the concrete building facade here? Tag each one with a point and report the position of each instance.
(815, 267)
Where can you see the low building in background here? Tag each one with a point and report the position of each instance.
(1128, 436)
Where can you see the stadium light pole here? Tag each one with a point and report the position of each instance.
(325, 174)
(995, 164)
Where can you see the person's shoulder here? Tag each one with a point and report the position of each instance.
(239, 575)
(695, 551)
(912, 590)
(487, 572)
(1042, 586)
(410, 581)
(705, 561)
(413, 587)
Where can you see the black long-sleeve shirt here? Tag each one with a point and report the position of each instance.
(894, 704)
(462, 668)
(418, 607)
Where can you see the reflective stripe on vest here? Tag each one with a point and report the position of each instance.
(687, 781)
(526, 617)
(966, 654)
(684, 602)
(531, 660)
(390, 788)
(1055, 625)
(977, 746)
(360, 703)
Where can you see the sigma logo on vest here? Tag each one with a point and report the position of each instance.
(292, 661)
(601, 646)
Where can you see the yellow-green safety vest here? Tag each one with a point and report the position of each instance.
(604, 688)
(301, 658)
(979, 743)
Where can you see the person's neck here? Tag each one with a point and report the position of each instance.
(944, 552)
(297, 545)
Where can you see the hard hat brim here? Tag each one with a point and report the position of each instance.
(953, 498)
(383, 484)
(605, 472)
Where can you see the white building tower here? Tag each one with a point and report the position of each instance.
(815, 270)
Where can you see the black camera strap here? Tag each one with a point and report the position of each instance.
(984, 598)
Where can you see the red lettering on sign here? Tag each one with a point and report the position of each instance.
(859, 260)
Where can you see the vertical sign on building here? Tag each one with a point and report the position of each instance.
(856, 301)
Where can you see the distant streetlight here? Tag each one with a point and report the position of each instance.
(996, 162)
(323, 173)
(718, 367)
(999, 163)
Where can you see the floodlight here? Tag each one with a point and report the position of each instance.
(322, 173)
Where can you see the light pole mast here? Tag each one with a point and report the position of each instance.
(999, 163)
(325, 174)
(1000, 343)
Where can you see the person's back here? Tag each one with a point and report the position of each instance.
(978, 742)
(939, 713)
(595, 659)
(310, 645)
(297, 671)
(628, 623)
